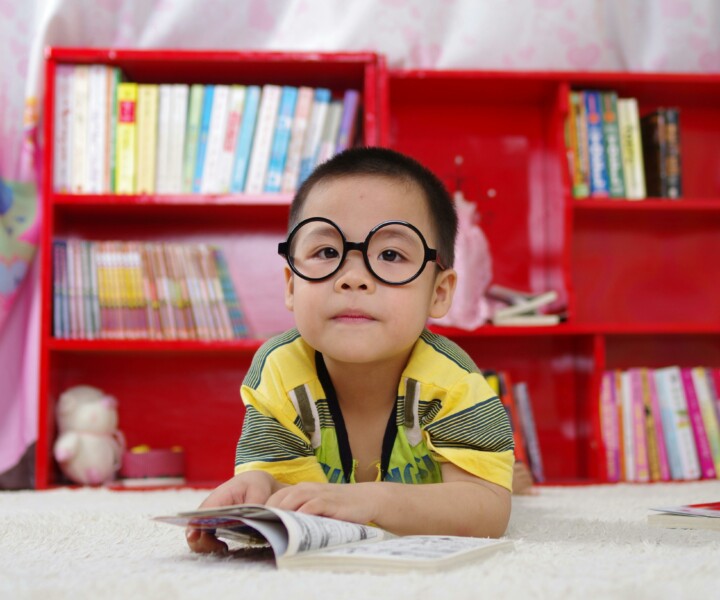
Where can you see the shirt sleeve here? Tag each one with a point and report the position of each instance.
(273, 441)
(472, 431)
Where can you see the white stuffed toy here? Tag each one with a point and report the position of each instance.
(90, 446)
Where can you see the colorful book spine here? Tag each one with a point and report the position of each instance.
(245, 139)
(207, 105)
(313, 137)
(527, 420)
(113, 79)
(303, 108)
(79, 149)
(125, 138)
(670, 423)
(673, 171)
(331, 128)
(706, 400)
(596, 145)
(702, 444)
(147, 128)
(611, 139)
(628, 427)
(651, 439)
(162, 172)
(179, 93)
(348, 120)
(58, 300)
(262, 144)
(232, 130)
(97, 132)
(639, 419)
(216, 136)
(192, 134)
(659, 433)
(281, 140)
(631, 148)
(577, 146)
(684, 429)
(62, 130)
(654, 141)
(94, 287)
(609, 426)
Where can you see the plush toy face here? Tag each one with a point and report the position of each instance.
(84, 408)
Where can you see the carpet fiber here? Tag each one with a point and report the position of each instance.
(579, 542)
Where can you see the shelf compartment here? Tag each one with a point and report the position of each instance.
(688, 350)
(558, 371)
(204, 415)
(646, 267)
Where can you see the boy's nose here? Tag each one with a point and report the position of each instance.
(354, 273)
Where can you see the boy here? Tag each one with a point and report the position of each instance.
(361, 392)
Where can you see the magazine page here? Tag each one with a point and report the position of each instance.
(309, 532)
(426, 552)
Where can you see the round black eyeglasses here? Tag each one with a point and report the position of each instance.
(395, 252)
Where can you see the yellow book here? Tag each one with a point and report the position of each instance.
(147, 126)
(125, 153)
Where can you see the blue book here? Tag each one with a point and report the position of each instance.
(203, 137)
(281, 139)
(599, 184)
(245, 139)
(313, 136)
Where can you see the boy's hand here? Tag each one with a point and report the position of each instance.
(252, 487)
(357, 502)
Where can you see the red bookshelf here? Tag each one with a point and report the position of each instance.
(182, 393)
(638, 277)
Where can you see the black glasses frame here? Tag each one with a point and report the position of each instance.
(431, 255)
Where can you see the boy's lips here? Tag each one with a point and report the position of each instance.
(353, 316)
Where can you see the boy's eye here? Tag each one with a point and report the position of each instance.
(391, 255)
(327, 253)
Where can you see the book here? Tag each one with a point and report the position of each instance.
(704, 515)
(639, 425)
(236, 104)
(331, 127)
(526, 305)
(125, 149)
(245, 139)
(298, 540)
(179, 94)
(192, 135)
(262, 143)
(611, 139)
(654, 141)
(162, 155)
(576, 142)
(147, 129)
(527, 422)
(205, 115)
(62, 119)
(532, 320)
(97, 129)
(655, 433)
(706, 400)
(313, 136)
(673, 173)
(609, 431)
(79, 124)
(211, 183)
(599, 185)
(303, 106)
(281, 140)
(348, 120)
(702, 444)
(631, 148)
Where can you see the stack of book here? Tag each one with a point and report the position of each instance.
(518, 308)
(141, 290)
(123, 137)
(661, 424)
(613, 152)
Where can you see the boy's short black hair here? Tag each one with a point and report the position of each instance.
(383, 162)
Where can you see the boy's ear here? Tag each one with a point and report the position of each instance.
(289, 288)
(445, 283)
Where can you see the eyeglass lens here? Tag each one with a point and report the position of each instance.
(395, 252)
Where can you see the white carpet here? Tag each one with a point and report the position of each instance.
(571, 542)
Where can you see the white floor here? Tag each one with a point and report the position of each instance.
(570, 542)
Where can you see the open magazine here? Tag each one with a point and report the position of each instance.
(689, 516)
(298, 540)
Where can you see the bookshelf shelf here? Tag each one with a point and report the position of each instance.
(241, 346)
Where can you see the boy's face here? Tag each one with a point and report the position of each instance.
(352, 316)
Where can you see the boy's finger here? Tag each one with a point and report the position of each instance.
(204, 542)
